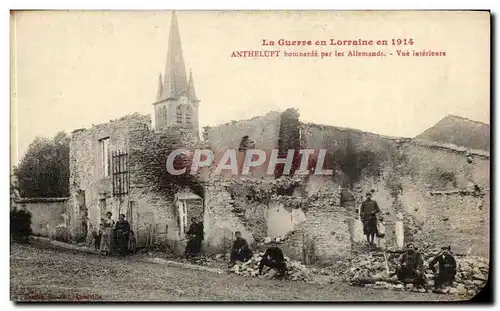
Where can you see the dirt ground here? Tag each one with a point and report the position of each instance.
(40, 272)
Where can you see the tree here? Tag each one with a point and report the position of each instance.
(44, 169)
(150, 155)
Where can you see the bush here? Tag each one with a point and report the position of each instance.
(62, 234)
(20, 226)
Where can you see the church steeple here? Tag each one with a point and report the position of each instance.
(175, 71)
(190, 89)
(176, 104)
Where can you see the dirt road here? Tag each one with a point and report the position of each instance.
(40, 272)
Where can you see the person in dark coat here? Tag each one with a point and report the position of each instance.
(273, 258)
(447, 268)
(240, 250)
(368, 214)
(196, 236)
(410, 267)
(122, 229)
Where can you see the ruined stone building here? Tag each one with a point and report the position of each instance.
(431, 188)
(105, 175)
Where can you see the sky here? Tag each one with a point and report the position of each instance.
(73, 69)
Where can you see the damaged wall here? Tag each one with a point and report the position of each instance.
(150, 213)
(220, 222)
(50, 217)
(322, 238)
(156, 221)
(90, 188)
(405, 174)
(454, 215)
(281, 221)
(263, 130)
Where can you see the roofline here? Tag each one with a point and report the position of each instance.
(464, 118)
(449, 116)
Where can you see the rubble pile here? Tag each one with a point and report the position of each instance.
(295, 270)
(371, 270)
(268, 240)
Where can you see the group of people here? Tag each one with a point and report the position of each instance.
(272, 258)
(240, 251)
(114, 236)
(410, 268)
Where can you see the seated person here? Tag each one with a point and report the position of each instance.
(240, 250)
(273, 258)
(411, 267)
(447, 268)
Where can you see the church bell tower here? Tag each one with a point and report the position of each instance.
(176, 104)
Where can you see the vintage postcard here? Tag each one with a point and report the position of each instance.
(250, 156)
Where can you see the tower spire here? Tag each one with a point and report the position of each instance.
(175, 73)
(160, 88)
(190, 89)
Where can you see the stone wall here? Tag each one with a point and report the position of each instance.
(281, 221)
(220, 222)
(89, 187)
(436, 197)
(316, 136)
(263, 130)
(151, 212)
(461, 221)
(322, 238)
(50, 217)
(438, 193)
(427, 162)
(157, 220)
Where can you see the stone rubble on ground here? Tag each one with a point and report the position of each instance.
(295, 270)
(370, 270)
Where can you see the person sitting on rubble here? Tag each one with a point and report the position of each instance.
(273, 258)
(447, 268)
(368, 214)
(240, 250)
(410, 268)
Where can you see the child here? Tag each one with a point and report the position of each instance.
(131, 242)
(97, 237)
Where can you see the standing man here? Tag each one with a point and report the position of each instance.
(196, 236)
(410, 267)
(273, 258)
(122, 233)
(240, 250)
(368, 215)
(447, 268)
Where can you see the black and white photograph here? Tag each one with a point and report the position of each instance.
(244, 155)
